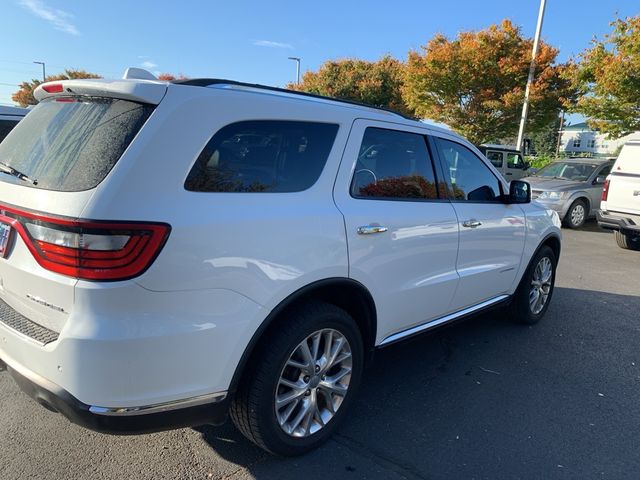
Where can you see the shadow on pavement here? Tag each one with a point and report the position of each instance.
(487, 398)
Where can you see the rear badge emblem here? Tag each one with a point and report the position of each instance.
(44, 302)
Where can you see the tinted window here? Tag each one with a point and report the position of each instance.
(5, 127)
(70, 144)
(393, 164)
(263, 156)
(470, 178)
(514, 160)
(495, 158)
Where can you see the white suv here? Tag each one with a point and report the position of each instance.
(620, 205)
(173, 251)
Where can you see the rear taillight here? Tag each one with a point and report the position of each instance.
(88, 250)
(605, 191)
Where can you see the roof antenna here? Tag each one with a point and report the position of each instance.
(134, 73)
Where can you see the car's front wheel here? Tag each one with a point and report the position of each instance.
(577, 214)
(533, 295)
(304, 376)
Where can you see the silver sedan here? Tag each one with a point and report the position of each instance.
(572, 187)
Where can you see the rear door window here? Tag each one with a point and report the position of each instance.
(495, 158)
(263, 156)
(69, 144)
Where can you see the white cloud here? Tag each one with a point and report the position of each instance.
(60, 19)
(148, 64)
(272, 44)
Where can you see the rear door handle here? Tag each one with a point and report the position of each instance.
(473, 223)
(369, 229)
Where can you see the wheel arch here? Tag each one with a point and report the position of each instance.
(580, 196)
(346, 293)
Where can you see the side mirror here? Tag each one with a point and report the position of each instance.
(599, 180)
(519, 192)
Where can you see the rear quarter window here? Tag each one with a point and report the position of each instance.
(263, 156)
(629, 159)
(70, 144)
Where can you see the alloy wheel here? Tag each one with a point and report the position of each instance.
(313, 383)
(540, 285)
(577, 215)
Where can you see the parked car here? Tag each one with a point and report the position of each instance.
(175, 250)
(571, 187)
(9, 118)
(507, 160)
(620, 205)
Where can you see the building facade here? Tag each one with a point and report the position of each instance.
(580, 139)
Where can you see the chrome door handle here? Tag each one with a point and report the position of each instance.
(473, 223)
(369, 229)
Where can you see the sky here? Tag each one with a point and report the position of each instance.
(251, 40)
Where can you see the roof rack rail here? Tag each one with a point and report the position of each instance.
(207, 82)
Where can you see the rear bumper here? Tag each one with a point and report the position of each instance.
(613, 221)
(207, 409)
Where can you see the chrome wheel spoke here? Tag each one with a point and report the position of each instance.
(313, 383)
(541, 285)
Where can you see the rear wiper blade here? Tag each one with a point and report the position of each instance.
(16, 173)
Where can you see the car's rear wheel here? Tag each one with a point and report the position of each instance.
(627, 241)
(303, 377)
(576, 215)
(533, 295)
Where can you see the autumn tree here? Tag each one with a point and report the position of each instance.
(475, 83)
(608, 79)
(374, 83)
(24, 96)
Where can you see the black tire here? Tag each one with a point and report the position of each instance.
(569, 220)
(253, 407)
(520, 310)
(627, 241)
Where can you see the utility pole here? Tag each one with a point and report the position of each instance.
(297, 60)
(532, 69)
(560, 133)
(44, 74)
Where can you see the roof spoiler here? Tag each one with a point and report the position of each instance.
(137, 85)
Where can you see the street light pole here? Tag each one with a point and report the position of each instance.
(297, 60)
(532, 69)
(44, 74)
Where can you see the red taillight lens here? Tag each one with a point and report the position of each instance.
(53, 88)
(89, 250)
(605, 191)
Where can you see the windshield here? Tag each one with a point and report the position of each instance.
(577, 171)
(70, 143)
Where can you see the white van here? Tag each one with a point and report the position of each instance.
(620, 205)
(507, 160)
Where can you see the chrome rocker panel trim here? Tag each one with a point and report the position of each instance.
(448, 318)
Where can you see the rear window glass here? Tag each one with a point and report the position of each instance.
(263, 156)
(70, 143)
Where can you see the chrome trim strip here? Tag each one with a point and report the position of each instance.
(159, 407)
(433, 323)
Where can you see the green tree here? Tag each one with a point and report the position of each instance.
(24, 96)
(374, 83)
(608, 79)
(475, 83)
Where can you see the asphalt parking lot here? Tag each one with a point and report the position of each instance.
(479, 399)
